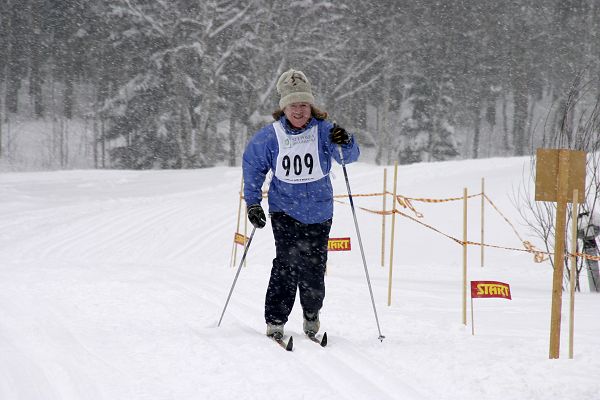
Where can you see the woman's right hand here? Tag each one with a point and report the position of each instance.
(256, 215)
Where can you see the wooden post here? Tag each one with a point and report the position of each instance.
(245, 231)
(383, 217)
(482, 218)
(558, 173)
(464, 300)
(573, 275)
(559, 253)
(472, 319)
(392, 235)
(237, 227)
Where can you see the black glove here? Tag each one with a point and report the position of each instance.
(338, 135)
(256, 215)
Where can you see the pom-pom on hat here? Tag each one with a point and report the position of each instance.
(293, 87)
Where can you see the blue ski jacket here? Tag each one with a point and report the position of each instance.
(310, 202)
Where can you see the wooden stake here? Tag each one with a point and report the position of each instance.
(559, 253)
(383, 217)
(237, 227)
(245, 231)
(392, 235)
(464, 300)
(482, 218)
(472, 319)
(573, 275)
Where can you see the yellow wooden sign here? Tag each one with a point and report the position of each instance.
(547, 174)
(560, 177)
(240, 239)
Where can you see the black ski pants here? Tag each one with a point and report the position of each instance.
(300, 261)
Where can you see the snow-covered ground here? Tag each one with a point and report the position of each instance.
(112, 283)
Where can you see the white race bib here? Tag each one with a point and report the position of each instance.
(298, 159)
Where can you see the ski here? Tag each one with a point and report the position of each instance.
(289, 346)
(313, 337)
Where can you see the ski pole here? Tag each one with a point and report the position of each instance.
(362, 252)
(237, 274)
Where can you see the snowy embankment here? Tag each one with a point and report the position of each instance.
(112, 282)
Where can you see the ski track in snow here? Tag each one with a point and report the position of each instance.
(115, 294)
(53, 376)
(351, 374)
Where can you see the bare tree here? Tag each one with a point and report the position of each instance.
(576, 130)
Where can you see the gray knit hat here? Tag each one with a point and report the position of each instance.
(293, 87)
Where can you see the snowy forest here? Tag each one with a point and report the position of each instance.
(142, 84)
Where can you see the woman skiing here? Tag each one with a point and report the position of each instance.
(298, 147)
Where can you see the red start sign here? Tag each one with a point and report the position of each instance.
(339, 244)
(487, 289)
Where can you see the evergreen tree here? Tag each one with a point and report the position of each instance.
(15, 51)
(442, 144)
(428, 134)
(166, 74)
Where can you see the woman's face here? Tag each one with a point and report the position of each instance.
(298, 114)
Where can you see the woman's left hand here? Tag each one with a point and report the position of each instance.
(339, 135)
